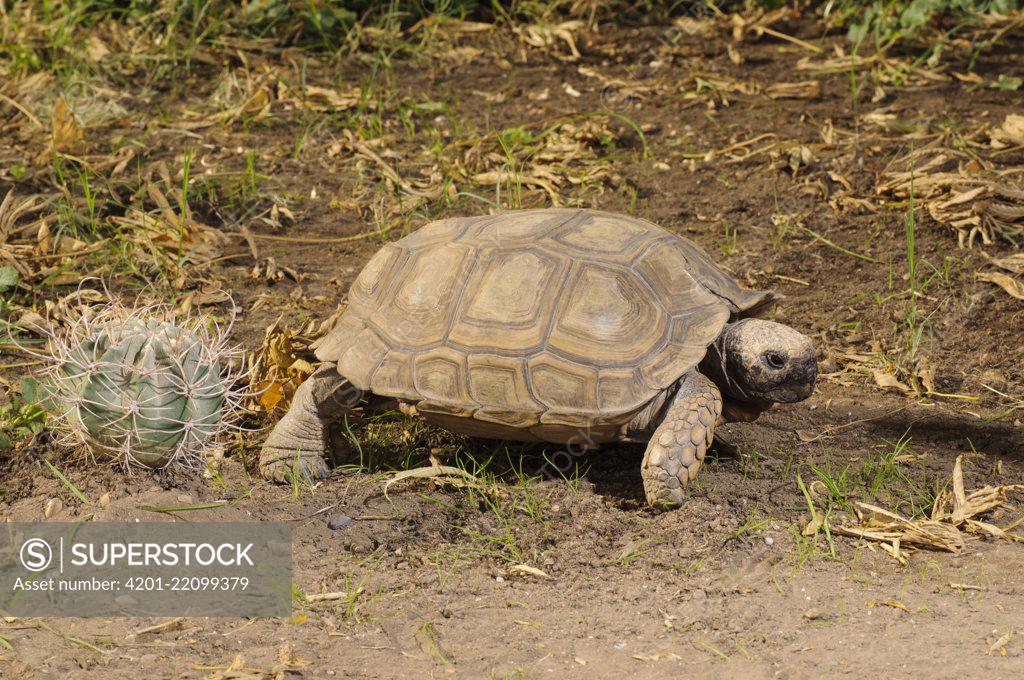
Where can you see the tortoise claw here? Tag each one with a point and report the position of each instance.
(282, 468)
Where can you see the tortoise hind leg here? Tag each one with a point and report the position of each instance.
(300, 440)
(681, 440)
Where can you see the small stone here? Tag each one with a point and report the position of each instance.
(768, 540)
(619, 645)
(52, 507)
(338, 522)
(499, 579)
(814, 614)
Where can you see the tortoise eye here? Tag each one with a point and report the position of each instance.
(774, 359)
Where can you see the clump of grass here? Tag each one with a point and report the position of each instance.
(21, 416)
(884, 24)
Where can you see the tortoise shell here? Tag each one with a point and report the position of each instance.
(539, 321)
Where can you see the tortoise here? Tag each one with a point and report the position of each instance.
(574, 327)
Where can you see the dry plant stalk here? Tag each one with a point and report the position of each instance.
(953, 521)
(959, 191)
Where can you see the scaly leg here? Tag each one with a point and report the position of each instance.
(680, 441)
(299, 441)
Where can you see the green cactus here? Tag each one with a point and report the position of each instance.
(142, 389)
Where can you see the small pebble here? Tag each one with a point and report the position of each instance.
(768, 540)
(52, 507)
(338, 522)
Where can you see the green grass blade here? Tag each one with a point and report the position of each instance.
(182, 508)
(61, 477)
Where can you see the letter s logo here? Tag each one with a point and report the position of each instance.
(36, 554)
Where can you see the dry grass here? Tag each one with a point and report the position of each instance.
(961, 190)
(956, 518)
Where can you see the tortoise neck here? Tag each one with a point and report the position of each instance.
(715, 365)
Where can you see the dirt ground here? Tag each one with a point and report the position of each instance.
(727, 586)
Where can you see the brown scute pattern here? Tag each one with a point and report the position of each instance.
(421, 303)
(445, 408)
(513, 418)
(367, 289)
(440, 231)
(507, 302)
(663, 367)
(394, 377)
(607, 316)
(665, 267)
(699, 326)
(334, 345)
(440, 376)
(552, 320)
(499, 383)
(517, 229)
(703, 270)
(619, 386)
(362, 357)
(561, 384)
(603, 235)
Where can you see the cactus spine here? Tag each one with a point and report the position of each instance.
(142, 389)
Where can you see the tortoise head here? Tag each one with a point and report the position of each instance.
(763, 362)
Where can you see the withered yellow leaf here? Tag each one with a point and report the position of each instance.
(66, 132)
(271, 394)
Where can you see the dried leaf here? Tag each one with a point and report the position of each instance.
(1011, 285)
(430, 472)
(1011, 132)
(527, 569)
(927, 377)
(895, 604)
(1000, 644)
(271, 395)
(323, 99)
(1011, 263)
(658, 656)
(888, 380)
(66, 132)
(959, 497)
(805, 89)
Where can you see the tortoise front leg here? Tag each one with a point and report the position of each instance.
(680, 441)
(299, 441)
